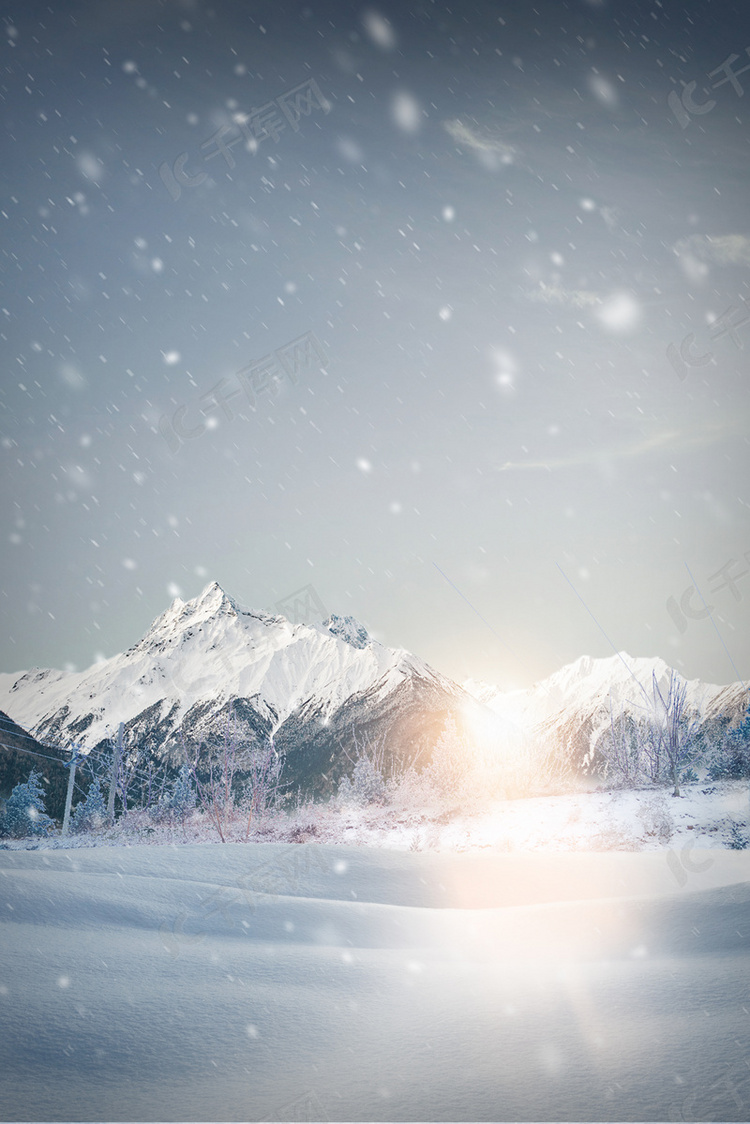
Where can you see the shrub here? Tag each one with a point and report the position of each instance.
(738, 840)
(656, 819)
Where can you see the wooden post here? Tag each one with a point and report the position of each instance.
(116, 758)
(69, 795)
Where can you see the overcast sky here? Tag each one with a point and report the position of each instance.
(521, 270)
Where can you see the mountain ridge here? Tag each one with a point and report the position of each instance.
(317, 689)
(304, 685)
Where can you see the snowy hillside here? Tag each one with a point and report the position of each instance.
(20, 753)
(318, 983)
(588, 684)
(209, 649)
(571, 703)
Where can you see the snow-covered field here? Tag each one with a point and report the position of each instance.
(624, 819)
(631, 820)
(313, 982)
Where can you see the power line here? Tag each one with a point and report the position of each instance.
(91, 756)
(21, 749)
(94, 757)
(713, 622)
(18, 732)
(138, 776)
(484, 621)
(604, 634)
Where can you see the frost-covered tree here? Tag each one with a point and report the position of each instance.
(450, 762)
(218, 772)
(617, 745)
(182, 797)
(462, 773)
(90, 813)
(24, 812)
(672, 727)
(262, 766)
(179, 800)
(659, 746)
(369, 781)
(345, 795)
(732, 761)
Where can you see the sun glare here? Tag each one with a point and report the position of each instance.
(491, 733)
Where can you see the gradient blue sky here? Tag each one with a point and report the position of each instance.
(496, 228)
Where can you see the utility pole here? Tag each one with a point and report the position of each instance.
(116, 758)
(69, 795)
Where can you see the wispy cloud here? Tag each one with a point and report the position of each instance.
(485, 142)
(675, 440)
(557, 294)
(722, 249)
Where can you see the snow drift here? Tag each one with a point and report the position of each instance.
(319, 983)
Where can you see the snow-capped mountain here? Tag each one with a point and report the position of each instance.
(307, 685)
(571, 703)
(318, 690)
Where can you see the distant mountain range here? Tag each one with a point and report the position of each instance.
(571, 704)
(316, 689)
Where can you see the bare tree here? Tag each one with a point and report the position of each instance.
(217, 773)
(214, 784)
(670, 733)
(619, 743)
(263, 770)
(679, 731)
(139, 778)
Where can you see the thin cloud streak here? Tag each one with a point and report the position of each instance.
(679, 442)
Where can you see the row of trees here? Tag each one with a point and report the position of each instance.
(461, 773)
(24, 813)
(226, 782)
(666, 743)
(237, 783)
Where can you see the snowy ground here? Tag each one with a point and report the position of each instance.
(614, 820)
(603, 821)
(292, 982)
